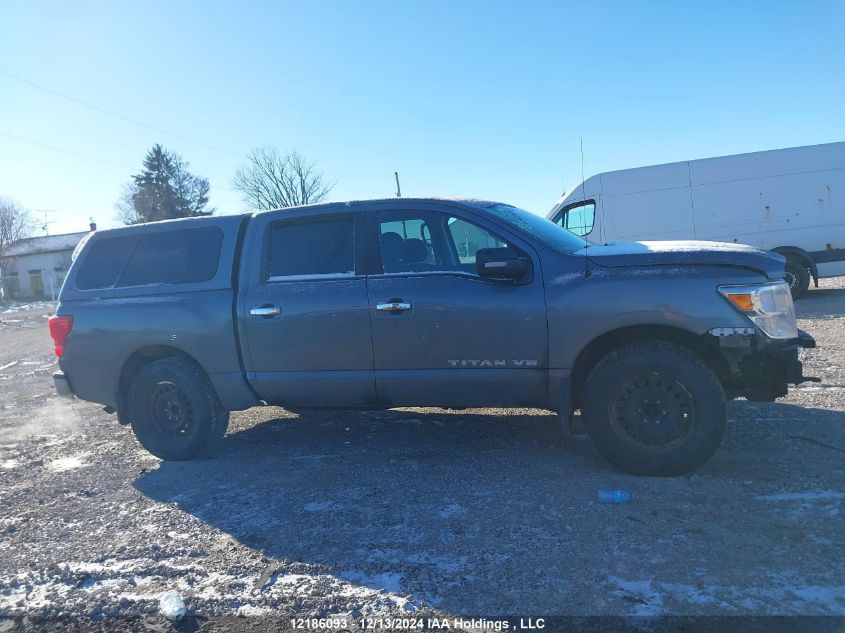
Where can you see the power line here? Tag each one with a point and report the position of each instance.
(116, 115)
(86, 156)
(66, 151)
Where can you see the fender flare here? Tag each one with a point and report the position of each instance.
(804, 255)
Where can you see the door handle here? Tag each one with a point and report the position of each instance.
(265, 311)
(394, 307)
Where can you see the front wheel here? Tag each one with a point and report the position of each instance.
(174, 410)
(654, 408)
(798, 277)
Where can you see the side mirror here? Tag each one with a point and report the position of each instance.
(501, 263)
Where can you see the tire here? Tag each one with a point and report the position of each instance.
(639, 431)
(174, 410)
(797, 276)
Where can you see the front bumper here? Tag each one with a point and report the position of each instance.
(765, 368)
(62, 385)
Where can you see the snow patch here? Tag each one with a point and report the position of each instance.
(172, 606)
(387, 581)
(649, 596)
(664, 246)
(64, 464)
(23, 307)
(648, 601)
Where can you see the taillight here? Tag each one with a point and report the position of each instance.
(60, 327)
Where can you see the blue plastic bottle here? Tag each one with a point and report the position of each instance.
(613, 496)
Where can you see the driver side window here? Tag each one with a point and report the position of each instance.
(430, 241)
(469, 239)
(406, 245)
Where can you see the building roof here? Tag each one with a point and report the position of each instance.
(43, 244)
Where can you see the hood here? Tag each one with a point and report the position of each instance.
(685, 253)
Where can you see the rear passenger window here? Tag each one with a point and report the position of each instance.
(312, 248)
(104, 262)
(175, 257)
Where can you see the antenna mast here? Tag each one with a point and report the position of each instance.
(398, 190)
(584, 201)
(45, 225)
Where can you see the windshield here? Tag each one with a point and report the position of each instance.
(549, 233)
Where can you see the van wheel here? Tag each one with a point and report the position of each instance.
(654, 408)
(797, 276)
(174, 410)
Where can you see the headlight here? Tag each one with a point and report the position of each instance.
(769, 306)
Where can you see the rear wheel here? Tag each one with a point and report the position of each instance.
(797, 276)
(654, 408)
(174, 410)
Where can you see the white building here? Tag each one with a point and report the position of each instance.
(35, 267)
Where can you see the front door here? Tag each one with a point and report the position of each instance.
(36, 282)
(442, 335)
(304, 309)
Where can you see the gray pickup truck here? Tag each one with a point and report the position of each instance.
(423, 302)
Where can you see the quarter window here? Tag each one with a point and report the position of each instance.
(170, 257)
(104, 261)
(579, 219)
(312, 248)
(174, 257)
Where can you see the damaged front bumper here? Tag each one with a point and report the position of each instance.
(763, 368)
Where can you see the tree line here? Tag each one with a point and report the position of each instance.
(165, 189)
(270, 179)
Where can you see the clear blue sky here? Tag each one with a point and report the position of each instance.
(483, 99)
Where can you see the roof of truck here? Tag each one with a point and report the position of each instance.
(352, 204)
(474, 202)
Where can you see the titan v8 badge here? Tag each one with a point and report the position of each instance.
(493, 363)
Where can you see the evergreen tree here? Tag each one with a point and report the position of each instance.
(164, 189)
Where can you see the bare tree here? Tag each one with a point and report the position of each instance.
(15, 223)
(272, 180)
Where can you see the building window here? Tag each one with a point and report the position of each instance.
(11, 285)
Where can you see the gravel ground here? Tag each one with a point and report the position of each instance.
(411, 511)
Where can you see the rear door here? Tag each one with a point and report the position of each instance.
(442, 335)
(304, 310)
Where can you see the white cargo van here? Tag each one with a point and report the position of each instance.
(791, 201)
